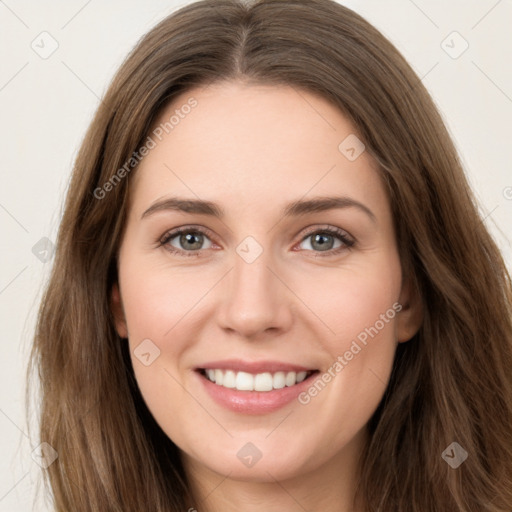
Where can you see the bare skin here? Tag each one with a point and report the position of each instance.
(252, 150)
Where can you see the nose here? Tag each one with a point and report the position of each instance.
(255, 301)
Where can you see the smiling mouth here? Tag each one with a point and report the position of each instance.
(261, 382)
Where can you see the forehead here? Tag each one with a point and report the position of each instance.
(253, 143)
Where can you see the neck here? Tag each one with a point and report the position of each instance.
(328, 488)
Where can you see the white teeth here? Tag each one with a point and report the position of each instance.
(278, 381)
(244, 381)
(301, 376)
(219, 377)
(229, 380)
(291, 378)
(263, 382)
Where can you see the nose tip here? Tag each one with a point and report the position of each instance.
(254, 300)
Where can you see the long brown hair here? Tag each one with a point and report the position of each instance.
(451, 383)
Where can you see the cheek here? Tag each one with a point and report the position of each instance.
(155, 299)
(356, 303)
(359, 307)
(160, 306)
(156, 306)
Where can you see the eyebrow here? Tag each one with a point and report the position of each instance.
(293, 209)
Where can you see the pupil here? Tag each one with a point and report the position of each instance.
(189, 239)
(321, 240)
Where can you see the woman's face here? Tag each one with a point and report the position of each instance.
(287, 264)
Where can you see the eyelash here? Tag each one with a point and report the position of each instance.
(348, 243)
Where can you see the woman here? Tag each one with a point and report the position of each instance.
(341, 338)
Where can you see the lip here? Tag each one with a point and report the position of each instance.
(253, 402)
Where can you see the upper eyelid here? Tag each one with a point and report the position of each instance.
(171, 233)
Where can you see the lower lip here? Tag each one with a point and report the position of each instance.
(254, 402)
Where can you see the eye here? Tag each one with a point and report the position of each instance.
(190, 241)
(327, 240)
(187, 241)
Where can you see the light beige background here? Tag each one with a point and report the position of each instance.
(47, 103)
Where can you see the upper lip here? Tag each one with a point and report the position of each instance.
(238, 365)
